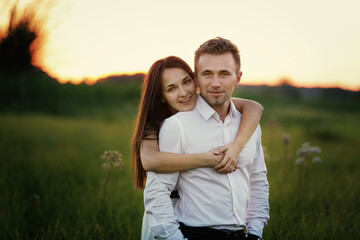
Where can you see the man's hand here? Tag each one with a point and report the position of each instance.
(229, 162)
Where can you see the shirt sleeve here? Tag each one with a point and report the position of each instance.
(158, 205)
(258, 210)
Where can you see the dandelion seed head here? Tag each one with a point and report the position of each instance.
(113, 158)
(106, 166)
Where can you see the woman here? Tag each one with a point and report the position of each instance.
(169, 87)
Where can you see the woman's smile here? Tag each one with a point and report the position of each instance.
(178, 90)
(187, 100)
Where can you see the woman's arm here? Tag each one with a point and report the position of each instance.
(251, 114)
(154, 160)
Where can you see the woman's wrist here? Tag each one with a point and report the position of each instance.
(205, 159)
(239, 143)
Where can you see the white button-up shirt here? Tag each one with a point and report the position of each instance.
(207, 198)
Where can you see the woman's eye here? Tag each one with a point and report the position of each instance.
(187, 81)
(170, 89)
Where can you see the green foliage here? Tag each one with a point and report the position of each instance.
(57, 157)
(285, 95)
(35, 91)
(59, 160)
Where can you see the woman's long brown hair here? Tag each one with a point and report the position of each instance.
(152, 111)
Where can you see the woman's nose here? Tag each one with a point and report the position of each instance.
(182, 91)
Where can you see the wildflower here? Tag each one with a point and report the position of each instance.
(106, 166)
(299, 161)
(316, 160)
(316, 150)
(34, 199)
(306, 151)
(113, 158)
(286, 139)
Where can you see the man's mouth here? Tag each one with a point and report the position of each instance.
(216, 93)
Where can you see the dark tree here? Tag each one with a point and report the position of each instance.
(15, 51)
(25, 27)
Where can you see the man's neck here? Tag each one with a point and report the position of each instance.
(222, 110)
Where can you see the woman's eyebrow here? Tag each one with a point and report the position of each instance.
(170, 85)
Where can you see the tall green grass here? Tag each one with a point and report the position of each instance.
(58, 159)
(328, 207)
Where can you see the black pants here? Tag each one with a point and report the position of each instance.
(199, 233)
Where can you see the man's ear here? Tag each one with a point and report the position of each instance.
(238, 77)
(196, 80)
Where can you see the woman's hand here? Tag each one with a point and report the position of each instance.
(229, 162)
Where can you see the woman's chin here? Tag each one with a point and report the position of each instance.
(187, 108)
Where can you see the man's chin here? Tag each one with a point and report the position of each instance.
(215, 102)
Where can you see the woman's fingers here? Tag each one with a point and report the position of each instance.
(226, 166)
(221, 165)
(221, 149)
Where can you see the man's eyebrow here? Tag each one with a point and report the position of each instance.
(205, 71)
(225, 71)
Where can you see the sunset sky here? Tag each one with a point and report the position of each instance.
(311, 42)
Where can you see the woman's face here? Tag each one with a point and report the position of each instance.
(178, 90)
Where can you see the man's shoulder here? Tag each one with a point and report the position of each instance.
(179, 120)
(183, 116)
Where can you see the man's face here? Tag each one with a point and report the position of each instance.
(216, 76)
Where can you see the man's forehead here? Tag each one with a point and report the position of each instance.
(216, 62)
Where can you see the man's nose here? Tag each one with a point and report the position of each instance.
(215, 82)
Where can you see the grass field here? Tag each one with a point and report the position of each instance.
(58, 159)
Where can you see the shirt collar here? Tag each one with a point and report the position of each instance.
(207, 111)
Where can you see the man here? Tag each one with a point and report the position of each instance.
(211, 205)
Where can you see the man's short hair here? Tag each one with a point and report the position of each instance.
(218, 46)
